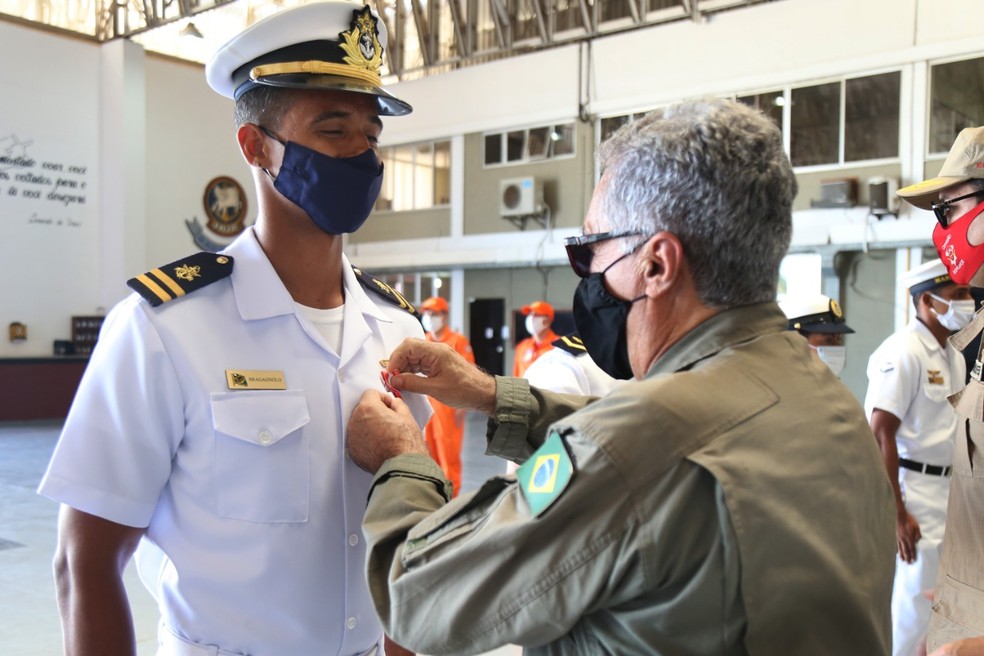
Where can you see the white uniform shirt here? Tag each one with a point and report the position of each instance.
(911, 376)
(558, 370)
(253, 510)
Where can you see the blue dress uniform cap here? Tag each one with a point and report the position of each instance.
(814, 314)
(325, 45)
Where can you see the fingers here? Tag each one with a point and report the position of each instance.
(411, 356)
(907, 549)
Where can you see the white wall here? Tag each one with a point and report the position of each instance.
(50, 250)
(190, 140)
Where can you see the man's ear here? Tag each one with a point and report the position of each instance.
(662, 257)
(254, 145)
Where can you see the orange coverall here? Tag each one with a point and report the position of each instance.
(528, 350)
(444, 431)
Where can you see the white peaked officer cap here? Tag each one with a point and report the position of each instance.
(925, 277)
(324, 45)
(814, 313)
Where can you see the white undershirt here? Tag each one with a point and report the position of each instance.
(328, 322)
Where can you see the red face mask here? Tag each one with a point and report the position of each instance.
(961, 259)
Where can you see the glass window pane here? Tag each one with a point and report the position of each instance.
(611, 124)
(567, 15)
(385, 199)
(563, 139)
(663, 4)
(871, 117)
(613, 9)
(442, 173)
(769, 103)
(493, 148)
(956, 101)
(403, 178)
(515, 142)
(423, 177)
(815, 126)
(536, 145)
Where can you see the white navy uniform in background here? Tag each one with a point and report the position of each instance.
(567, 368)
(911, 376)
(253, 511)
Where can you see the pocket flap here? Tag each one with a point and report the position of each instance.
(260, 417)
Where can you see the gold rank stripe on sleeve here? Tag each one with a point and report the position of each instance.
(171, 281)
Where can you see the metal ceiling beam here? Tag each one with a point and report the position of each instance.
(462, 43)
(587, 15)
(423, 33)
(539, 13)
(500, 18)
(126, 18)
(113, 22)
(692, 8)
(393, 41)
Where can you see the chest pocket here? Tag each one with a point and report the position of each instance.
(937, 389)
(262, 457)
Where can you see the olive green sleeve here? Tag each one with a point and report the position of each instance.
(522, 416)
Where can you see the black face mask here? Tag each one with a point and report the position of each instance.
(600, 320)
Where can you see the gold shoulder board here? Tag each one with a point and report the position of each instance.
(571, 343)
(377, 286)
(181, 277)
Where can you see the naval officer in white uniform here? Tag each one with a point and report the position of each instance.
(208, 431)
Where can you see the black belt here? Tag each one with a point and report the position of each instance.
(923, 468)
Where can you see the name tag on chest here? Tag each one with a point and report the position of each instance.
(239, 379)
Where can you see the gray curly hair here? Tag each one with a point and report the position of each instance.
(712, 172)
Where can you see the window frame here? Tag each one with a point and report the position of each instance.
(549, 149)
(385, 154)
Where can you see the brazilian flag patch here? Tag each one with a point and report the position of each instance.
(546, 474)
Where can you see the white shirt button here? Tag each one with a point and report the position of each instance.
(353, 540)
(351, 622)
(265, 437)
(341, 376)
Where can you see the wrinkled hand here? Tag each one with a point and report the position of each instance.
(968, 647)
(448, 377)
(381, 427)
(907, 534)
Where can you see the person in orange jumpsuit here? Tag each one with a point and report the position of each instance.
(446, 427)
(539, 316)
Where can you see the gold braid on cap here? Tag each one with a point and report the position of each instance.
(315, 68)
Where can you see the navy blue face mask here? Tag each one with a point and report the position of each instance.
(338, 193)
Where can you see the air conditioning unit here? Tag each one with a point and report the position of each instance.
(881, 196)
(520, 197)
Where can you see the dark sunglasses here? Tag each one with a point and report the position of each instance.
(942, 209)
(580, 249)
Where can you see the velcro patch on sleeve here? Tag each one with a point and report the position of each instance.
(547, 473)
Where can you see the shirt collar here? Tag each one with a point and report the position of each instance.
(924, 335)
(261, 294)
(724, 329)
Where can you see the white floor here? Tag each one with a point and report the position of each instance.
(29, 624)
